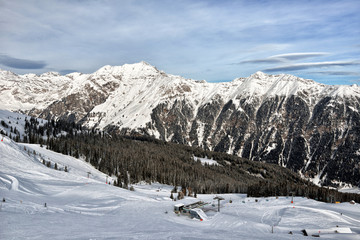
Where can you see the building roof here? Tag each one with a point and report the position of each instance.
(322, 231)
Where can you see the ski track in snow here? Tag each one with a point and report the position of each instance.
(14, 183)
(78, 207)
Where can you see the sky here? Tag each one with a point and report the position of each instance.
(204, 40)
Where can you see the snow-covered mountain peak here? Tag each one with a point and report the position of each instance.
(256, 84)
(29, 75)
(344, 90)
(50, 74)
(259, 75)
(105, 69)
(280, 77)
(116, 94)
(74, 75)
(304, 81)
(263, 86)
(5, 73)
(141, 69)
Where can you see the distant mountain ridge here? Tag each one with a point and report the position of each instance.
(297, 123)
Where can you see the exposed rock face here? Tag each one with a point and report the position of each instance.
(323, 140)
(318, 136)
(308, 127)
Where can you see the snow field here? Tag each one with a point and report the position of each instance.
(78, 207)
(16, 121)
(206, 161)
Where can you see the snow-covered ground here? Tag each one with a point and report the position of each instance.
(206, 161)
(78, 207)
(16, 121)
(350, 189)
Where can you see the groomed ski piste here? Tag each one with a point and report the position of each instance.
(78, 207)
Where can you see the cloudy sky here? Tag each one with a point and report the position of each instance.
(212, 40)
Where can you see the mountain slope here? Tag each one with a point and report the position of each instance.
(297, 123)
(78, 207)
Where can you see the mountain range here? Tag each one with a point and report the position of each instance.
(308, 127)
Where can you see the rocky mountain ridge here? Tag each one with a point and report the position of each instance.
(297, 123)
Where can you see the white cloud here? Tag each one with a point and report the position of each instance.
(302, 66)
(297, 56)
(182, 37)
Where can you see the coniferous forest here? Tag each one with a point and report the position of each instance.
(146, 159)
(132, 159)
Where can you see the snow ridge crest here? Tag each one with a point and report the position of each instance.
(141, 86)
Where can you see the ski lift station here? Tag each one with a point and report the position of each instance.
(192, 210)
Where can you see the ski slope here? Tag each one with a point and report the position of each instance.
(78, 207)
(16, 121)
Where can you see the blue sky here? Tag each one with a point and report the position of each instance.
(211, 40)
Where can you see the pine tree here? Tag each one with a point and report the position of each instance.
(119, 183)
(180, 195)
